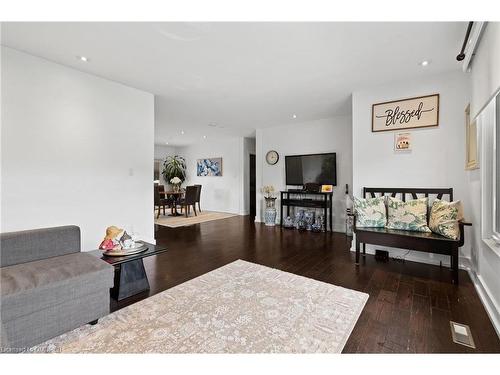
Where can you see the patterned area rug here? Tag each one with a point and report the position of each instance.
(182, 221)
(239, 308)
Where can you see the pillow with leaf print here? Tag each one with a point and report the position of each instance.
(370, 212)
(410, 215)
(445, 217)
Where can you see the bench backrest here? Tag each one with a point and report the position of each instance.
(409, 193)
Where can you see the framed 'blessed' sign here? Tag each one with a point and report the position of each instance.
(419, 112)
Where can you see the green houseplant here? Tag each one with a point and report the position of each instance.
(174, 166)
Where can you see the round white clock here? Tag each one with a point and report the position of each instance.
(272, 157)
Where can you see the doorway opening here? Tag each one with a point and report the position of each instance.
(252, 189)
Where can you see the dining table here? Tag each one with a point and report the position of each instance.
(176, 196)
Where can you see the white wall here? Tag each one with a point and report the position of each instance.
(161, 152)
(485, 82)
(326, 135)
(76, 149)
(438, 155)
(224, 193)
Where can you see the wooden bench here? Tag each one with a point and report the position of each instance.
(418, 241)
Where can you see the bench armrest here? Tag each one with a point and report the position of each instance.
(461, 225)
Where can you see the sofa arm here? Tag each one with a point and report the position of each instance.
(30, 245)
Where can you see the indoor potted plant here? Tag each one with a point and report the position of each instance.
(174, 170)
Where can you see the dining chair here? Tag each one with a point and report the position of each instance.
(198, 195)
(161, 188)
(189, 200)
(159, 201)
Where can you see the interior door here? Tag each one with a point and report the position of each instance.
(252, 188)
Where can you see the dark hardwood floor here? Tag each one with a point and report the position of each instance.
(410, 304)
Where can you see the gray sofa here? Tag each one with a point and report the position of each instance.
(48, 286)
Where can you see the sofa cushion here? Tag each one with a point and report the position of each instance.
(370, 212)
(444, 218)
(410, 215)
(33, 286)
(31, 245)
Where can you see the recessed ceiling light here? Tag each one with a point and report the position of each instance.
(425, 63)
(83, 58)
(166, 143)
(182, 131)
(204, 137)
(212, 125)
(294, 116)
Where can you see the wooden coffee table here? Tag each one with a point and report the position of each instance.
(130, 275)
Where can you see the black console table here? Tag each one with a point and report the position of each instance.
(130, 275)
(305, 199)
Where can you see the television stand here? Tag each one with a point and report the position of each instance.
(301, 198)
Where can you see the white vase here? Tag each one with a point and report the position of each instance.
(270, 216)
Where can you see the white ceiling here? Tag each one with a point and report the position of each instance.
(243, 76)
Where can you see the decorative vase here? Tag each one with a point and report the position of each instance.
(302, 225)
(322, 221)
(289, 224)
(176, 188)
(270, 216)
(299, 216)
(316, 227)
(309, 219)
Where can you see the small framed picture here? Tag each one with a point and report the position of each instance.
(326, 188)
(402, 141)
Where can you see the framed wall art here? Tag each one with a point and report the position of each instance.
(209, 167)
(417, 112)
(402, 141)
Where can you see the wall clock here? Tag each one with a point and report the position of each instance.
(272, 157)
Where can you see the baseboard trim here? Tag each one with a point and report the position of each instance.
(489, 304)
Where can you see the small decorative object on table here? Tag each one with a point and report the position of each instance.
(289, 224)
(270, 212)
(326, 188)
(176, 184)
(118, 242)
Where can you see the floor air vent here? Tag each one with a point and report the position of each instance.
(461, 334)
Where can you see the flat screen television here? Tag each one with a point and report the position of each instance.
(316, 168)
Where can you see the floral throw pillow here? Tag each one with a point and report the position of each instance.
(410, 215)
(444, 218)
(370, 213)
